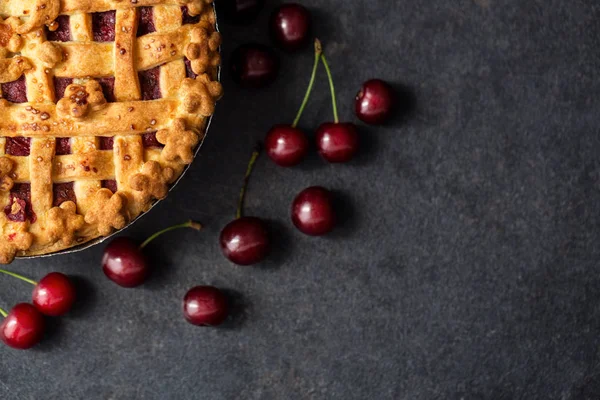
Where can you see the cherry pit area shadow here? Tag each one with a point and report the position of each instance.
(405, 107)
(87, 297)
(240, 308)
(281, 244)
(345, 214)
(160, 270)
(52, 335)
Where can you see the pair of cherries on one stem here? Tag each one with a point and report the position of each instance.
(23, 327)
(337, 142)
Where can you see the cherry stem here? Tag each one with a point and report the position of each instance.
(311, 83)
(253, 158)
(18, 276)
(188, 224)
(3, 313)
(333, 99)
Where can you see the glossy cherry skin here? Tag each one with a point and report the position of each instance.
(240, 11)
(290, 26)
(254, 65)
(312, 211)
(23, 328)
(54, 294)
(205, 306)
(337, 143)
(124, 263)
(285, 145)
(375, 101)
(245, 241)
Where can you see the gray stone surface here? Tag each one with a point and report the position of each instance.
(466, 264)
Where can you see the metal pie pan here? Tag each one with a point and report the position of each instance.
(99, 240)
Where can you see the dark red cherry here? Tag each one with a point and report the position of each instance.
(285, 145)
(254, 65)
(23, 328)
(374, 102)
(240, 11)
(312, 211)
(337, 143)
(124, 263)
(290, 26)
(245, 241)
(205, 306)
(54, 294)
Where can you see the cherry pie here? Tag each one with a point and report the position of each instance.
(103, 103)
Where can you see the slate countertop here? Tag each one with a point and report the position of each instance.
(466, 264)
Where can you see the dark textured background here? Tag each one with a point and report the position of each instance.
(466, 264)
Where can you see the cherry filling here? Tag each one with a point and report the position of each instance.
(149, 82)
(18, 146)
(189, 73)
(110, 184)
(63, 146)
(146, 23)
(15, 91)
(103, 26)
(149, 140)
(60, 85)
(108, 88)
(106, 143)
(20, 209)
(63, 33)
(187, 18)
(63, 192)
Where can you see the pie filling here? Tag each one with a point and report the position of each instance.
(107, 143)
(167, 132)
(63, 146)
(63, 192)
(63, 32)
(146, 22)
(103, 26)
(60, 85)
(18, 146)
(15, 91)
(187, 18)
(110, 184)
(150, 83)
(19, 208)
(108, 88)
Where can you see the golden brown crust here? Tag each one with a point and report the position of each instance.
(153, 181)
(80, 99)
(41, 12)
(179, 142)
(12, 68)
(14, 238)
(6, 166)
(63, 222)
(198, 96)
(203, 48)
(142, 175)
(108, 212)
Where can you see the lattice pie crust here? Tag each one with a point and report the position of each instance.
(103, 103)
